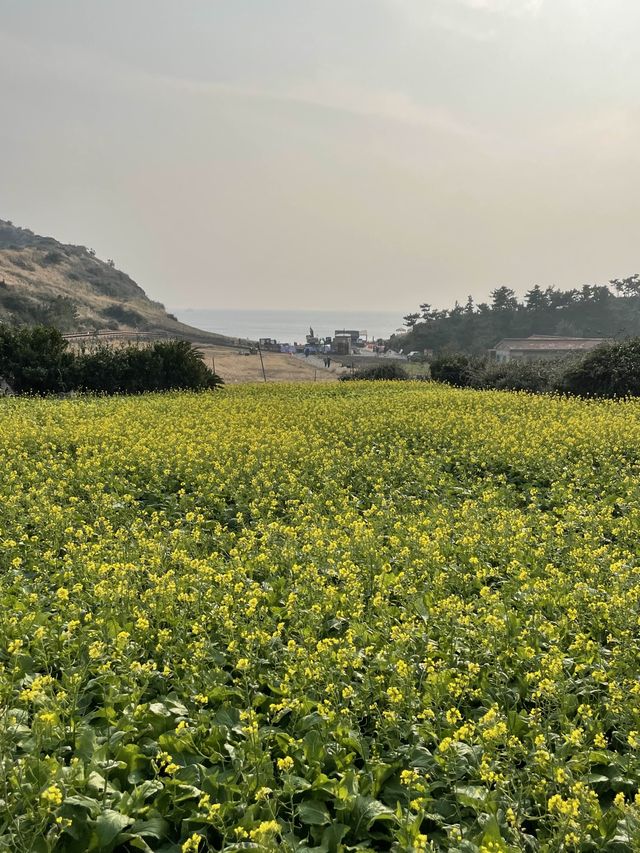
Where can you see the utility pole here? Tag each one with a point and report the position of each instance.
(264, 375)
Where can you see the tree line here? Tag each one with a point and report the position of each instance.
(606, 311)
(610, 370)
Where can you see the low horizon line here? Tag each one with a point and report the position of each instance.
(298, 310)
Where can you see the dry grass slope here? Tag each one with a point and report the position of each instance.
(36, 271)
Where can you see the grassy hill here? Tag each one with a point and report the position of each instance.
(45, 281)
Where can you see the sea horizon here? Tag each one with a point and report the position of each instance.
(289, 326)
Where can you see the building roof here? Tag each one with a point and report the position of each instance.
(547, 343)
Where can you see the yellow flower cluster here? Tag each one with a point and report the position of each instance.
(277, 614)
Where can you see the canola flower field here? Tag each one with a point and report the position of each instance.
(362, 616)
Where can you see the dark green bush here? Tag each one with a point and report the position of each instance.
(457, 369)
(536, 376)
(539, 376)
(161, 366)
(391, 370)
(611, 370)
(37, 360)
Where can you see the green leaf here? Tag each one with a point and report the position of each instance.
(147, 789)
(593, 778)
(472, 796)
(139, 844)
(176, 707)
(517, 724)
(153, 827)
(492, 834)
(96, 782)
(296, 783)
(314, 746)
(366, 811)
(20, 715)
(81, 802)
(109, 825)
(421, 758)
(86, 743)
(332, 836)
(313, 813)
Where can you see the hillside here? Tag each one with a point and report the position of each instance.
(45, 281)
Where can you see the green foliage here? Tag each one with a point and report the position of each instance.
(125, 315)
(456, 369)
(389, 370)
(60, 312)
(592, 311)
(538, 376)
(384, 616)
(609, 371)
(161, 366)
(36, 360)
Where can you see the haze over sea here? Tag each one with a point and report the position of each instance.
(289, 326)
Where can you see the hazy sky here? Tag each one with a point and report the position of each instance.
(316, 153)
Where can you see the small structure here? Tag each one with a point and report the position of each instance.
(341, 344)
(312, 339)
(353, 334)
(537, 347)
(269, 344)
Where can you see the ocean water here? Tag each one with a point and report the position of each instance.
(290, 326)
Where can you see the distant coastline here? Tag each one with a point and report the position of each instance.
(289, 326)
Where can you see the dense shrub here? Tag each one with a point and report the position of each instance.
(462, 371)
(161, 366)
(122, 314)
(536, 376)
(611, 370)
(391, 370)
(34, 360)
(457, 369)
(52, 258)
(37, 360)
(61, 313)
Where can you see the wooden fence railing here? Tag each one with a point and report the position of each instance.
(159, 335)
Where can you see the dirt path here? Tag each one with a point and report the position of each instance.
(234, 367)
